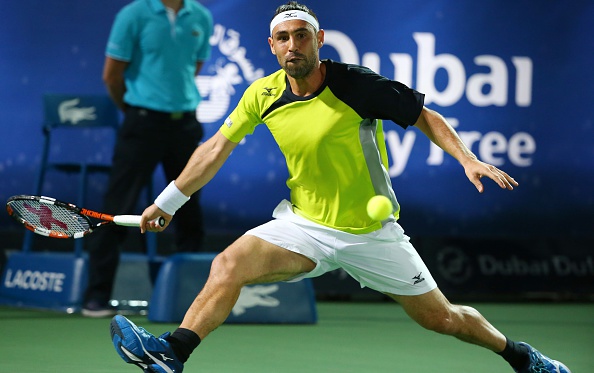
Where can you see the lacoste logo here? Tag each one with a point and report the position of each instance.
(253, 296)
(418, 278)
(195, 33)
(69, 112)
(268, 91)
(164, 358)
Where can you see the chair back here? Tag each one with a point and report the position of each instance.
(87, 126)
(69, 110)
(90, 124)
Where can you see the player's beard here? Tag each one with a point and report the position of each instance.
(302, 69)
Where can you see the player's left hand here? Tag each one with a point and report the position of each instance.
(476, 169)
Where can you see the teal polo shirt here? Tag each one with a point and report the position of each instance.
(162, 55)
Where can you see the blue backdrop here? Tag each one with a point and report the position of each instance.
(514, 78)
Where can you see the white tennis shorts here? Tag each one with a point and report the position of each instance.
(383, 260)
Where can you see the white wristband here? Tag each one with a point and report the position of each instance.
(171, 199)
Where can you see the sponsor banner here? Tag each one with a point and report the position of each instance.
(53, 281)
(488, 269)
(508, 76)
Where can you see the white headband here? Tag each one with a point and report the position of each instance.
(294, 14)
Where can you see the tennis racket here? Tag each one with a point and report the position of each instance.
(52, 218)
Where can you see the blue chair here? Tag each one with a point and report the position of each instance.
(71, 112)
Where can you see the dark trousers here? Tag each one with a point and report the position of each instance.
(145, 139)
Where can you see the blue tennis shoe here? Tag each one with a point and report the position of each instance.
(540, 363)
(137, 346)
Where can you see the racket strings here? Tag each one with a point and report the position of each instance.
(50, 217)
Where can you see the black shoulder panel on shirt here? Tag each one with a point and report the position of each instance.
(373, 96)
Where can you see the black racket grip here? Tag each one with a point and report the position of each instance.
(160, 221)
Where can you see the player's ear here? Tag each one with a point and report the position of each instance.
(270, 42)
(320, 38)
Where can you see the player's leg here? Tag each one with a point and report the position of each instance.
(386, 261)
(249, 260)
(401, 270)
(434, 312)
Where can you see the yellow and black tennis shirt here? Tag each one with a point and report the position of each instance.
(332, 140)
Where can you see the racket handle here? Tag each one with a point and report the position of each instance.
(134, 220)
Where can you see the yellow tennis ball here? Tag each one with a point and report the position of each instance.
(379, 207)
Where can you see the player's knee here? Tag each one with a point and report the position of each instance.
(449, 320)
(439, 321)
(224, 269)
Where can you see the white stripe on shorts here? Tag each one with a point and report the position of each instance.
(383, 260)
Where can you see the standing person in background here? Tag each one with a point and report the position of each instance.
(155, 50)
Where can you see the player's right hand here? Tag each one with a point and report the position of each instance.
(149, 219)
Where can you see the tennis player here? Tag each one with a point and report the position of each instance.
(326, 118)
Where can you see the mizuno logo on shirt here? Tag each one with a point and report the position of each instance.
(268, 91)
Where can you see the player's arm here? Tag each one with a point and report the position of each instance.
(203, 165)
(438, 130)
(113, 77)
